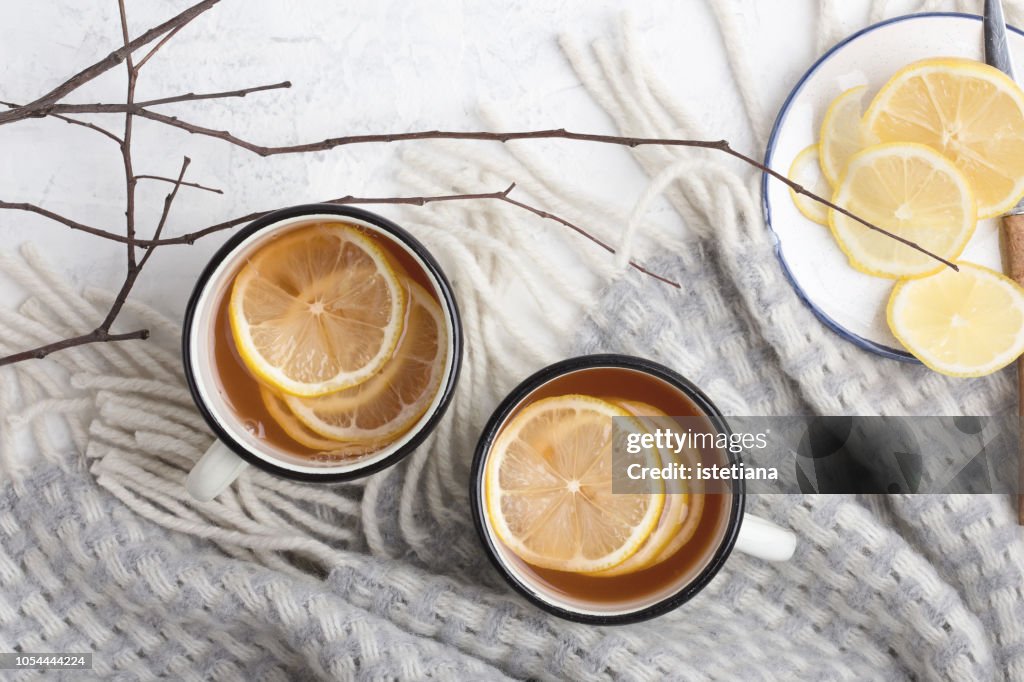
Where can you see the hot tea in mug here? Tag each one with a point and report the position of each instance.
(554, 522)
(320, 346)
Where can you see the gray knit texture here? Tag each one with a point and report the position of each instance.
(898, 588)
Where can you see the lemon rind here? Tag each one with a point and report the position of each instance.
(834, 175)
(801, 202)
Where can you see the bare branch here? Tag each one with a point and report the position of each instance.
(194, 97)
(73, 121)
(95, 336)
(126, 142)
(156, 48)
(549, 216)
(183, 184)
(134, 270)
(105, 64)
(117, 108)
(168, 200)
(68, 222)
(561, 133)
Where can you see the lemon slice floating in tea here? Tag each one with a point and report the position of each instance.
(969, 111)
(677, 500)
(912, 191)
(806, 171)
(548, 488)
(967, 323)
(305, 436)
(843, 134)
(317, 310)
(390, 402)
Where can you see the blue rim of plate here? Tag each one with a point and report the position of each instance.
(857, 340)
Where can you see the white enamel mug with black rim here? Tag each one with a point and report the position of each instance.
(744, 532)
(237, 447)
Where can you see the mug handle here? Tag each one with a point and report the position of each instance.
(214, 472)
(765, 540)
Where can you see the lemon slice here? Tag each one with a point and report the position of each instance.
(966, 324)
(317, 310)
(548, 487)
(303, 435)
(912, 191)
(677, 500)
(970, 112)
(695, 501)
(806, 171)
(389, 403)
(843, 134)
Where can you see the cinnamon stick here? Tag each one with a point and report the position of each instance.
(1013, 226)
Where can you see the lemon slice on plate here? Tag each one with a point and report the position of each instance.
(548, 488)
(390, 402)
(969, 111)
(843, 134)
(317, 310)
(967, 324)
(912, 191)
(677, 500)
(806, 171)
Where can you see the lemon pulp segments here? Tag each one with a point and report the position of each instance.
(970, 112)
(317, 310)
(912, 191)
(548, 487)
(390, 402)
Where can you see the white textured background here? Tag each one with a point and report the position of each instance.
(357, 67)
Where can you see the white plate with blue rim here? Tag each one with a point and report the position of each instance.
(847, 301)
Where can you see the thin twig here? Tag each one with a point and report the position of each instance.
(40, 352)
(133, 272)
(561, 133)
(549, 216)
(800, 189)
(118, 108)
(126, 141)
(163, 41)
(63, 220)
(192, 237)
(73, 121)
(168, 200)
(195, 97)
(102, 333)
(196, 185)
(139, 109)
(102, 66)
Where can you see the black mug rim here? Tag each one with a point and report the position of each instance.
(387, 227)
(505, 408)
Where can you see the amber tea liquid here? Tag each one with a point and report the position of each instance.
(615, 383)
(240, 388)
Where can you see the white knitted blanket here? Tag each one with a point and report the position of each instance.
(101, 550)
